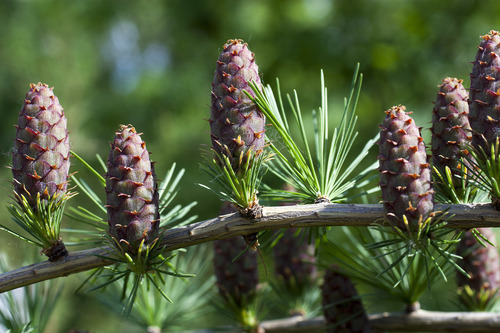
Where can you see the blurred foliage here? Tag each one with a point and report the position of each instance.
(150, 63)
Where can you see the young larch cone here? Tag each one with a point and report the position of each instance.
(294, 258)
(237, 281)
(405, 174)
(484, 101)
(235, 121)
(40, 161)
(451, 131)
(481, 263)
(132, 194)
(342, 307)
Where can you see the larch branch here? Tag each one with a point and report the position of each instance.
(417, 321)
(463, 216)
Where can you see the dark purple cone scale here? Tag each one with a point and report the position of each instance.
(344, 312)
(237, 281)
(484, 100)
(132, 196)
(481, 263)
(451, 131)
(405, 174)
(40, 161)
(235, 120)
(294, 258)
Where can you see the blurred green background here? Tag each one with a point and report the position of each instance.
(150, 64)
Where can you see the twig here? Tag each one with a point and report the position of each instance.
(294, 324)
(318, 215)
(431, 321)
(75, 262)
(418, 321)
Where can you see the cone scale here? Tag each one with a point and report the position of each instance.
(483, 266)
(294, 258)
(236, 280)
(342, 307)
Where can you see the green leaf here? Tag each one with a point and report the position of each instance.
(485, 168)
(404, 265)
(324, 175)
(40, 225)
(27, 309)
(237, 186)
(90, 168)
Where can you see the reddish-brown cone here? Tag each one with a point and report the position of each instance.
(132, 195)
(237, 281)
(343, 310)
(484, 101)
(40, 161)
(482, 264)
(235, 121)
(405, 174)
(451, 131)
(294, 258)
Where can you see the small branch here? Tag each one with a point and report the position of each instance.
(294, 324)
(431, 321)
(418, 321)
(75, 262)
(303, 216)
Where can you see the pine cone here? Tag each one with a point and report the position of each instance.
(132, 195)
(484, 92)
(40, 161)
(237, 281)
(294, 258)
(235, 121)
(405, 174)
(451, 131)
(344, 311)
(482, 264)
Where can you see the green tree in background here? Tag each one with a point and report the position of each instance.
(151, 63)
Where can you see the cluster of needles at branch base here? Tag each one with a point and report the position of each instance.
(40, 166)
(191, 309)
(407, 279)
(316, 172)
